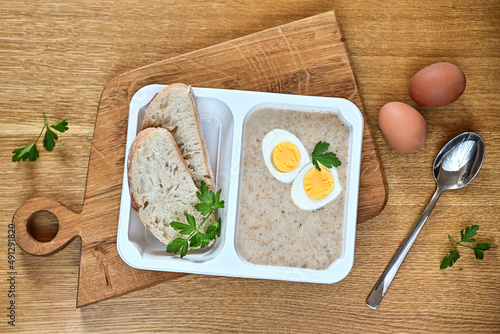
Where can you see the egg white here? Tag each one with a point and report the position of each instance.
(304, 202)
(273, 138)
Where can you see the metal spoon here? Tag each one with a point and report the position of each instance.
(455, 166)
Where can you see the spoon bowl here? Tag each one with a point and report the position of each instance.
(459, 161)
(455, 166)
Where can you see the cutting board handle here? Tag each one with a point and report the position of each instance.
(69, 226)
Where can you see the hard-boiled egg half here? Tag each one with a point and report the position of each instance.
(312, 188)
(288, 160)
(284, 155)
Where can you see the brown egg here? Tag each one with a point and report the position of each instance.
(437, 85)
(402, 126)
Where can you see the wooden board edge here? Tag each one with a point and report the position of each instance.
(369, 129)
(82, 302)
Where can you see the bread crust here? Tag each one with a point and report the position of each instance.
(188, 90)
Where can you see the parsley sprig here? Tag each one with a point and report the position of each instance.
(466, 235)
(328, 159)
(210, 202)
(49, 141)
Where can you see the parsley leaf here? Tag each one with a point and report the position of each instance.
(449, 259)
(175, 245)
(212, 230)
(321, 147)
(484, 246)
(479, 254)
(219, 227)
(217, 203)
(328, 159)
(191, 220)
(33, 153)
(24, 153)
(61, 126)
(204, 208)
(195, 241)
(204, 195)
(466, 235)
(182, 228)
(184, 249)
(204, 239)
(49, 141)
(209, 202)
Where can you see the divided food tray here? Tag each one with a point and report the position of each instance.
(223, 113)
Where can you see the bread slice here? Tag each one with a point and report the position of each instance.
(160, 184)
(175, 110)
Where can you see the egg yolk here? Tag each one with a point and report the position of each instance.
(286, 157)
(318, 184)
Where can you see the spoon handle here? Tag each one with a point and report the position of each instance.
(385, 280)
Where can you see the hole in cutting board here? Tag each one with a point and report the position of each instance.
(43, 226)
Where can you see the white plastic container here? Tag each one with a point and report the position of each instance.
(222, 115)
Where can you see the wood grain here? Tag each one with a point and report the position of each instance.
(56, 57)
(303, 57)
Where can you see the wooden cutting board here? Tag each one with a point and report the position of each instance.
(305, 57)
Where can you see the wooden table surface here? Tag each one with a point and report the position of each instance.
(56, 57)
